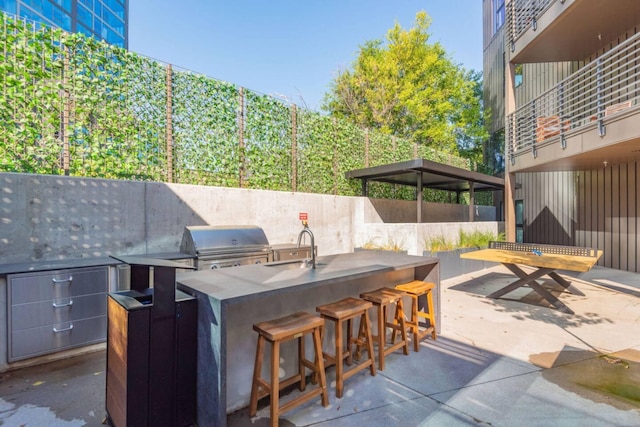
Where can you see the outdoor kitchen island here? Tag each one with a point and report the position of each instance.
(231, 300)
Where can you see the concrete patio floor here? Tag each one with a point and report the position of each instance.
(506, 362)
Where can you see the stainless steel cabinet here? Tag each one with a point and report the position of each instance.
(56, 310)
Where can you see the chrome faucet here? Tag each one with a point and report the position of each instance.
(313, 246)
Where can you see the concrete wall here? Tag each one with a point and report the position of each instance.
(53, 217)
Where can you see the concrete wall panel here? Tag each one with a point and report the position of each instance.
(53, 218)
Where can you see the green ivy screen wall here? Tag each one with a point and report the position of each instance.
(74, 106)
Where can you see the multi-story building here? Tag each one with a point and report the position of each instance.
(106, 20)
(562, 81)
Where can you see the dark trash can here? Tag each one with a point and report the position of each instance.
(151, 349)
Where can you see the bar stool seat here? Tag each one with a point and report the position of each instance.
(277, 331)
(416, 289)
(339, 312)
(382, 298)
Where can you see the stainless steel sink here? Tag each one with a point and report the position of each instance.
(292, 265)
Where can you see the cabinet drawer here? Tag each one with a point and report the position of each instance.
(56, 285)
(42, 313)
(33, 342)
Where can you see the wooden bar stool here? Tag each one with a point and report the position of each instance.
(381, 298)
(277, 331)
(345, 311)
(416, 289)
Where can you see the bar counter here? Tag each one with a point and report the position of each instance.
(231, 300)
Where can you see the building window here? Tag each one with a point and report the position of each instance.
(493, 155)
(498, 152)
(498, 15)
(116, 7)
(9, 6)
(518, 75)
(65, 4)
(45, 12)
(84, 16)
(519, 221)
(113, 21)
(104, 19)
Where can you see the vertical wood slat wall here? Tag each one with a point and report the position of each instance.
(493, 69)
(540, 77)
(597, 208)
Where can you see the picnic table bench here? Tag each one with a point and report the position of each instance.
(545, 259)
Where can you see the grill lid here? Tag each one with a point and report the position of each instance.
(202, 240)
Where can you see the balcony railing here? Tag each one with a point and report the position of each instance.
(522, 14)
(605, 87)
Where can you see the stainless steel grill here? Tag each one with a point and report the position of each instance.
(225, 246)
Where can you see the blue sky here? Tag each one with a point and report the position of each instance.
(290, 48)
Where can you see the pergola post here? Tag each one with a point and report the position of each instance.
(472, 202)
(419, 197)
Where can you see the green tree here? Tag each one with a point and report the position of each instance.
(470, 130)
(408, 87)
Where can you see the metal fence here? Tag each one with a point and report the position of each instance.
(594, 94)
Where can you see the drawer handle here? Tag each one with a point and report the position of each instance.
(69, 304)
(57, 281)
(56, 330)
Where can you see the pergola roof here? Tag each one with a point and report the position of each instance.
(428, 174)
(421, 173)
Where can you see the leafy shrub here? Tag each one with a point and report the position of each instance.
(390, 245)
(473, 239)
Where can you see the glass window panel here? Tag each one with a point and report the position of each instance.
(34, 9)
(87, 3)
(114, 38)
(84, 30)
(116, 8)
(27, 13)
(519, 212)
(99, 29)
(97, 8)
(84, 16)
(43, 8)
(113, 22)
(518, 75)
(498, 8)
(9, 6)
(61, 19)
(66, 4)
(48, 13)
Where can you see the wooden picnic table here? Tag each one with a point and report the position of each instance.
(545, 259)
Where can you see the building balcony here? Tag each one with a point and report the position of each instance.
(566, 30)
(591, 117)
